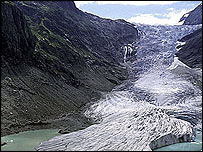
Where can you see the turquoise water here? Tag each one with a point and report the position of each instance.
(26, 141)
(187, 146)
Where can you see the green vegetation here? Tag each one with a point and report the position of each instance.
(9, 2)
(35, 30)
(26, 3)
(43, 33)
(21, 2)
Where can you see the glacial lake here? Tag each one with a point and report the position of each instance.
(26, 141)
(187, 146)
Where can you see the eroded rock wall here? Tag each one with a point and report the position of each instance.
(56, 59)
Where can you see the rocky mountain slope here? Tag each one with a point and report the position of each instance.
(55, 60)
(193, 17)
(191, 52)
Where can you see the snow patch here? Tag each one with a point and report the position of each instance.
(181, 23)
(186, 15)
(177, 63)
(179, 44)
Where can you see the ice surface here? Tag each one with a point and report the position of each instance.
(154, 108)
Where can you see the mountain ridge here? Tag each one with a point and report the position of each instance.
(193, 17)
(70, 64)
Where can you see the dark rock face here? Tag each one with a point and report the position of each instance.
(103, 37)
(193, 17)
(73, 59)
(18, 41)
(191, 52)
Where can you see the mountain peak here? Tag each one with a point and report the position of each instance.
(193, 17)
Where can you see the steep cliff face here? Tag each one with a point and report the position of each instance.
(191, 52)
(18, 41)
(193, 17)
(64, 23)
(69, 59)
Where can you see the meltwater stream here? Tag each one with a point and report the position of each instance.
(155, 107)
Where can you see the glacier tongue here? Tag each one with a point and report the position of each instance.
(135, 129)
(154, 108)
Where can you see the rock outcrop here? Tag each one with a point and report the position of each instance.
(193, 17)
(67, 61)
(18, 41)
(67, 24)
(191, 52)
